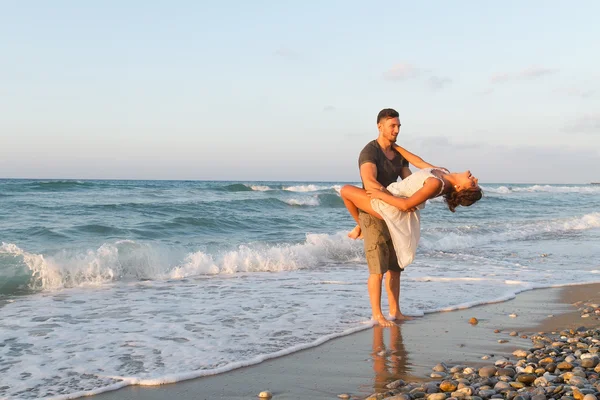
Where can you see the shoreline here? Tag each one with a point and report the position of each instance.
(364, 362)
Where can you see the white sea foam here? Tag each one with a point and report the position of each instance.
(259, 188)
(471, 237)
(541, 188)
(312, 201)
(128, 259)
(149, 333)
(304, 188)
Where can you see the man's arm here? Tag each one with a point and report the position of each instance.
(405, 172)
(368, 174)
(430, 188)
(412, 158)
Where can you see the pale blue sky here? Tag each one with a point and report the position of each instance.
(290, 90)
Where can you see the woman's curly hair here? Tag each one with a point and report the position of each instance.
(463, 198)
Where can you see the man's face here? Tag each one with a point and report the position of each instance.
(389, 128)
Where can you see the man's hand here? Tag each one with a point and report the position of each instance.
(383, 194)
(377, 193)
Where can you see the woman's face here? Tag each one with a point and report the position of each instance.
(466, 181)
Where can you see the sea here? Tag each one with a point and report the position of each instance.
(109, 283)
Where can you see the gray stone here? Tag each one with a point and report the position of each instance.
(402, 396)
(578, 381)
(487, 371)
(506, 372)
(486, 394)
(589, 362)
(541, 381)
(395, 384)
(465, 391)
(440, 368)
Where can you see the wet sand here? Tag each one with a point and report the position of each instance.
(362, 363)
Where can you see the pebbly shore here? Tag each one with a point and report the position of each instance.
(560, 365)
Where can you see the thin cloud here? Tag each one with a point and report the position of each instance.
(285, 52)
(438, 83)
(577, 92)
(407, 71)
(486, 92)
(526, 74)
(402, 71)
(584, 124)
(329, 108)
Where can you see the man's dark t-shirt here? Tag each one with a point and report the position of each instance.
(388, 170)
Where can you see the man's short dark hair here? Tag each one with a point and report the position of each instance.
(387, 113)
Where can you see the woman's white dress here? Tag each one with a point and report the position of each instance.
(405, 227)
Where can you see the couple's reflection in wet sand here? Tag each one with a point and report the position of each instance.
(389, 356)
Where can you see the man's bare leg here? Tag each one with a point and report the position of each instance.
(374, 286)
(392, 286)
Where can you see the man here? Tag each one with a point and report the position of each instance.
(381, 164)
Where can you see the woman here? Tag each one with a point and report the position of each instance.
(395, 203)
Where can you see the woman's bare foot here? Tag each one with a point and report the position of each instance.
(355, 233)
(398, 316)
(381, 321)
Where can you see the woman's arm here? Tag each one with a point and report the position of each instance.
(430, 189)
(412, 158)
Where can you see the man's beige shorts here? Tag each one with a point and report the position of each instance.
(379, 249)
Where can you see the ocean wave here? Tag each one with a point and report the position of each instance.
(312, 188)
(311, 201)
(235, 187)
(471, 236)
(59, 185)
(541, 188)
(260, 188)
(130, 260)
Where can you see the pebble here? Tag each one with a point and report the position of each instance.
(513, 315)
(561, 365)
(473, 321)
(265, 395)
(487, 371)
(344, 396)
(437, 396)
(395, 384)
(448, 386)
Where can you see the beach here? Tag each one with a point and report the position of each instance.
(363, 363)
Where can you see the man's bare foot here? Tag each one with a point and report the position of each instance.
(398, 316)
(381, 321)
(355, 233)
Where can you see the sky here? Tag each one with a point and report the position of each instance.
(290, 90)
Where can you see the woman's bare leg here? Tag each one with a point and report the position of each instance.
(355, 199)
